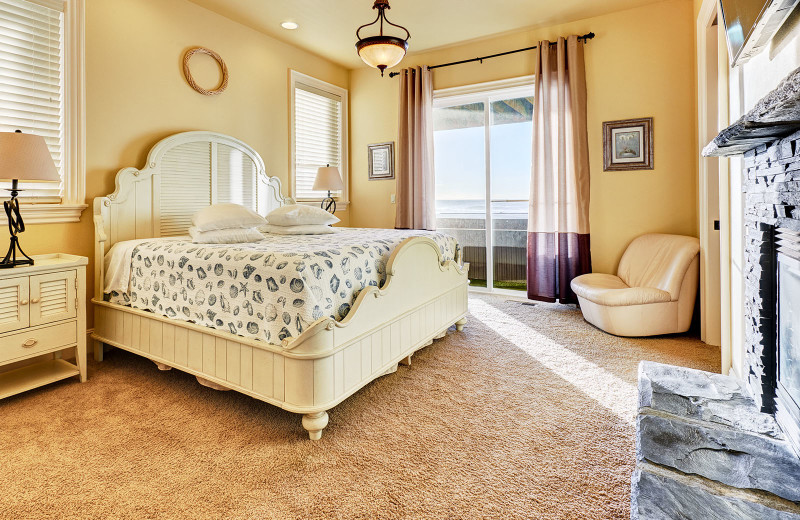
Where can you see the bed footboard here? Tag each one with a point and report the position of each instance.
(422, 297)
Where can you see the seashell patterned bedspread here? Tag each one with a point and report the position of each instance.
(267, 290)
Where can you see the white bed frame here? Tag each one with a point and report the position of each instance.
(310, 374)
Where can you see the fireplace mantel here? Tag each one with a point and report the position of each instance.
(774, 117)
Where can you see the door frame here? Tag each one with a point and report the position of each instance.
(486, 92)
(712, 89)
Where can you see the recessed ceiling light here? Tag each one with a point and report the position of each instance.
(289, 25)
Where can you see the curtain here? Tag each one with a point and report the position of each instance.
(415, 179)
(558, 223)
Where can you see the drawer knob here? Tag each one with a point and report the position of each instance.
(30, 343)
(35, 300)
(23, 302)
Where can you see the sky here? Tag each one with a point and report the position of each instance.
(459, 156)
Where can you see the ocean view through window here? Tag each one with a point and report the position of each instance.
(482, 145)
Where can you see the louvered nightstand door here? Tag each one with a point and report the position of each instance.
(53, 297)
(14, 304)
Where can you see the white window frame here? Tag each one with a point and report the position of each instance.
(73, 190)
(297, 77)
(487, 93)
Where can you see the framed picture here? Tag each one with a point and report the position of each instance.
(381, 161)
(628, 145)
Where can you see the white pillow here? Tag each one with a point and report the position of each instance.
(226, 216)
(308, 229)
(225, 236)
(300, 215)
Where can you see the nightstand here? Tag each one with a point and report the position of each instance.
(42, 311)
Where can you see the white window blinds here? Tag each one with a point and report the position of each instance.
(318, 137)
(31, 80)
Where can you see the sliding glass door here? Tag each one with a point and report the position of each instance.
(482, 149)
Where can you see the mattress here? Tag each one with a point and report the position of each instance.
(268, 290)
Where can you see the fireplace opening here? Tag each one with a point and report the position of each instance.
(787, 399)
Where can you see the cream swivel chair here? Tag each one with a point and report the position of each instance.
(654, 290)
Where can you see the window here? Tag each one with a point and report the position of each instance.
(482, 161)
(319, 135)
(41, 58)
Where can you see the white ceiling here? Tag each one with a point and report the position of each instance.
(327, 27)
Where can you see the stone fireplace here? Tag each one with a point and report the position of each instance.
(709, 446)
(772, 288)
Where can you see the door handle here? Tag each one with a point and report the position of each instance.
(30, 343)
(35, 300)
(23, 302)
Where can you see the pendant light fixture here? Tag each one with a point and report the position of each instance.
(382, 51)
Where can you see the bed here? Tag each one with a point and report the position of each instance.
(293, 345)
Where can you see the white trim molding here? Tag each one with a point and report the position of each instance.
(493, 86)
(298, 77)
(714, 185)
(51, 213)
(73, 192)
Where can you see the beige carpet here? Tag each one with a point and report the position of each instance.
(526, 414)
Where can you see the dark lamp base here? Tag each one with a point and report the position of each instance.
(329, 204)
(11, 259)
(15, 226)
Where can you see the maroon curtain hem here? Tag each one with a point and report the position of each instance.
(554, 260)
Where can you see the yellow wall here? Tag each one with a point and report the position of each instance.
(641, 64)
(136, 95)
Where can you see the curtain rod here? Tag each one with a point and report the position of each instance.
(585, 38)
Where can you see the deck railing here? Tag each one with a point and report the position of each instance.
(509, 248)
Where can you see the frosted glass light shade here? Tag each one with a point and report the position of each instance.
(25, 157)
(328, 179)
(382, 52)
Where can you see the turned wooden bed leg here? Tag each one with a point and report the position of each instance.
(98, 350)
(315, 423)
(460, 324)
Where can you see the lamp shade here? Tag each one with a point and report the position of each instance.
(328, 179)
(25, 157)
(382, 52)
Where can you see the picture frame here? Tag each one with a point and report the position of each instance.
(381, 161)
(628, 145)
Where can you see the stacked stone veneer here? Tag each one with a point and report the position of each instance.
(772, 193)
(705, 451)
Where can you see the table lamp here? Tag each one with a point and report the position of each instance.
(23, 157)
(328, 179)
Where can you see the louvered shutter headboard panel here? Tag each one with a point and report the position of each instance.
(185, 172)
(236, 177)
(186, 177)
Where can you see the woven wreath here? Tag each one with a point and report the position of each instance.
(188, 74)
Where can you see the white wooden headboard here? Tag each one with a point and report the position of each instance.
(184, 172)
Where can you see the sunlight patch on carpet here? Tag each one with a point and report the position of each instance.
(602, 386)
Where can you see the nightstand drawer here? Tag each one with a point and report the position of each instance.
(31, 342)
